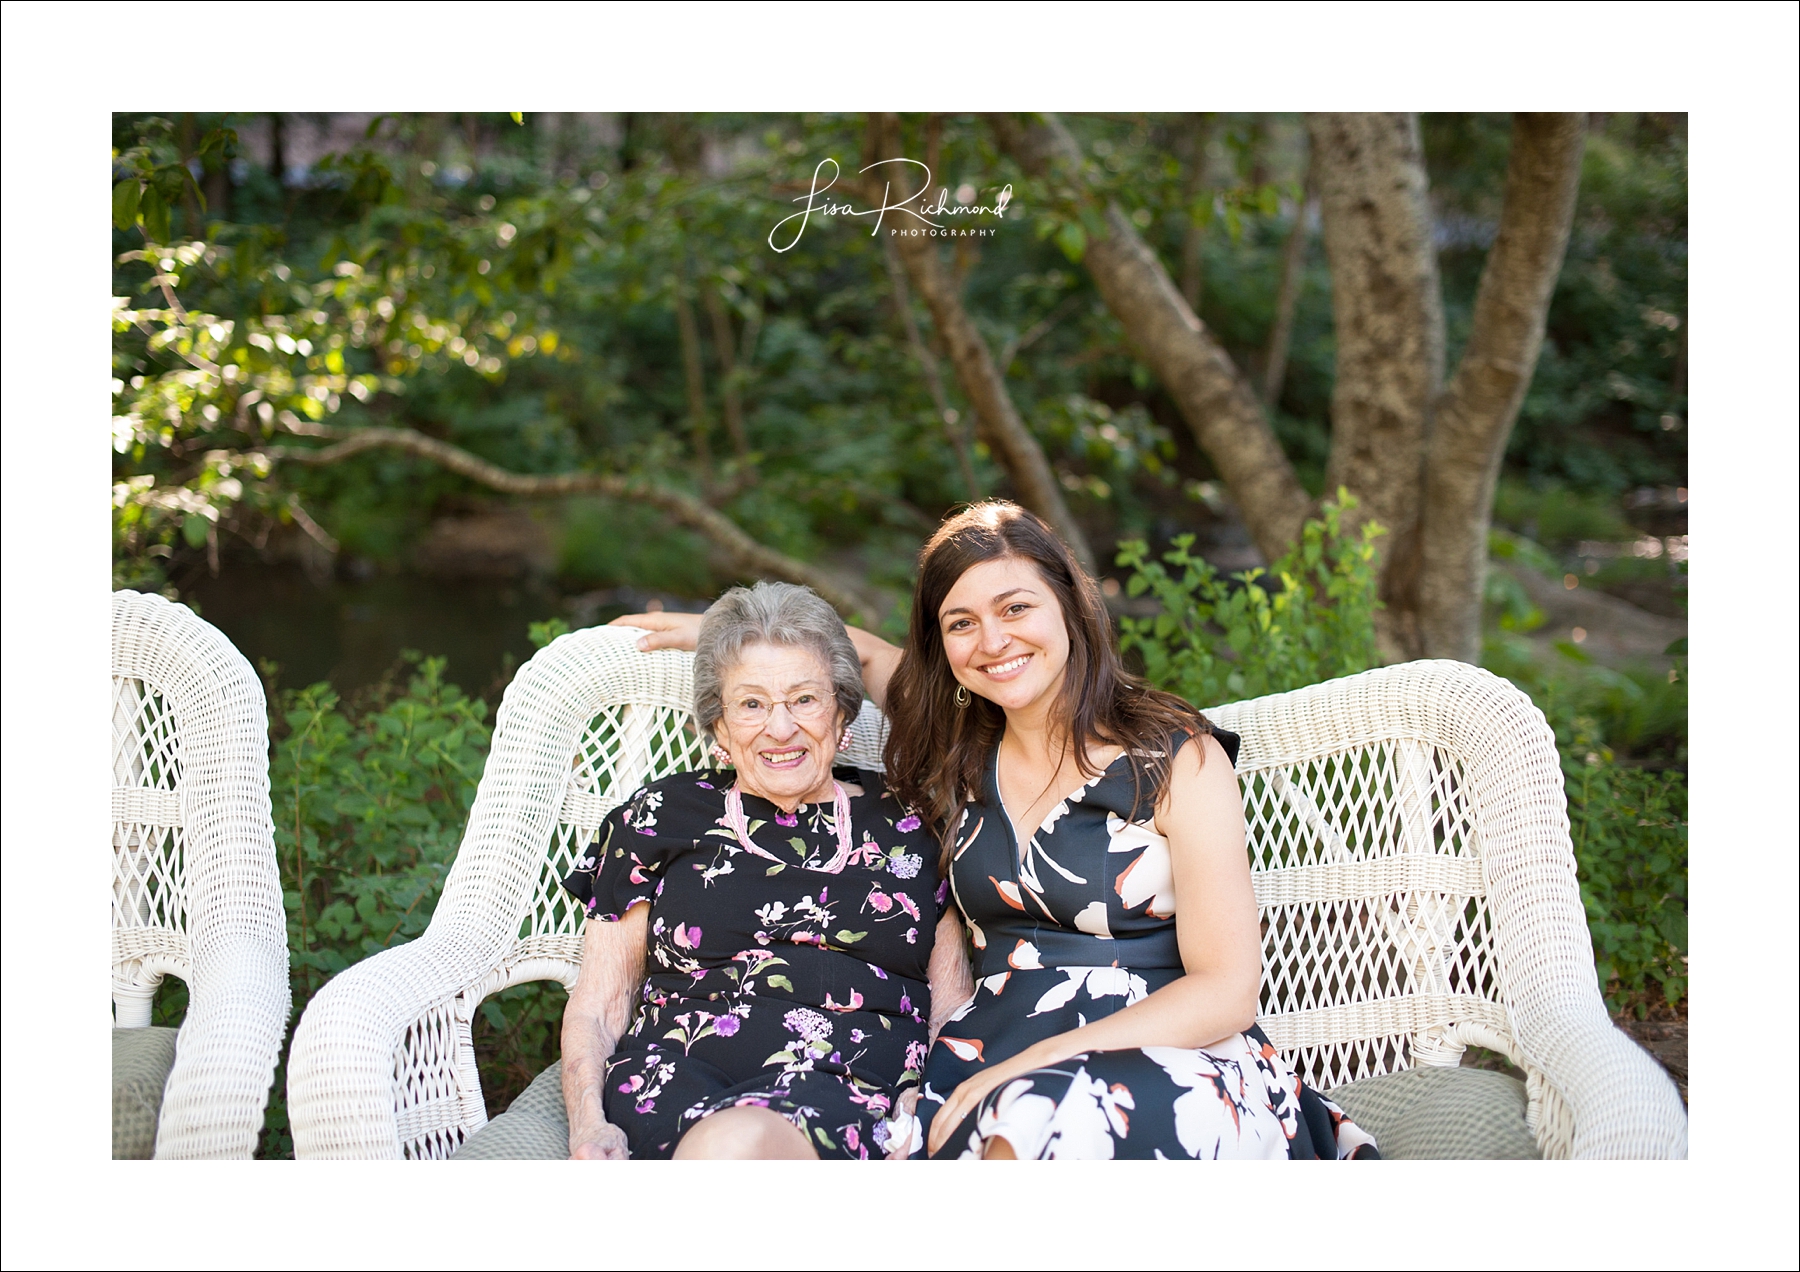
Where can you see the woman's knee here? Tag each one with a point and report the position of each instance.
(744, 1134)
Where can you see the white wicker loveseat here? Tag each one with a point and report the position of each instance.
(1411, 854)
(196, 892)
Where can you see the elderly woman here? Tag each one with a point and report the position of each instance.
(786, 912)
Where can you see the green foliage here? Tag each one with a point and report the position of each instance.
(1215, 643)
(1555, 515)
(1628, 823)
(607, 542)
(543, 633)
(1630, 832)
(1607, 408)
(369, 810)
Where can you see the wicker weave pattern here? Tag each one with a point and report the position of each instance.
(196, 893)
(1410, 848)
(1411, 858)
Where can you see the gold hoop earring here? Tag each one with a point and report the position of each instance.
(961, 696)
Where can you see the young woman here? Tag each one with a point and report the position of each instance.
(1093, 836)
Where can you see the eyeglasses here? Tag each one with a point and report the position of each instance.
(753, 712)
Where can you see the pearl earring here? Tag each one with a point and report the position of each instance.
(721, 757)
(844, 742)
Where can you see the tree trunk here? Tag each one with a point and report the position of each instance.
(928, 368)
(278, 149)
(1012, 443)
(724, 343)
(1213, 396)
(1287, 300)
(695, 378)
(1192, 236)
(1429, 481)
(1387, 309)
(1477, 411)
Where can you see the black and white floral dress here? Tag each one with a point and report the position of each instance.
(775, 984)
(1078, 925)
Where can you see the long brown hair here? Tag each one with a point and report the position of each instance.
(937, 750)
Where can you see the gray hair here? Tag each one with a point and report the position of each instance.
(771, 614)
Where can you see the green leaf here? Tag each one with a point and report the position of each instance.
(194, 528)
(1677, 648)
(1569, 649)
(849, 938)
(779, 982)
(494, 1015)
(125, 202)
(775, 869)
(155, 211)
(1072, 239)
(518, 117)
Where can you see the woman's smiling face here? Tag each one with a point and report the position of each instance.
(1004, 634)
(787, 757)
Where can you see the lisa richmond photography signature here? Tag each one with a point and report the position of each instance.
(939, 207)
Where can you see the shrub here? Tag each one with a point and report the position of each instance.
(1214, 642)
(1627, 820)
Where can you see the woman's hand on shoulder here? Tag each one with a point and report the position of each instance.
(603, 1142)
(663, 630)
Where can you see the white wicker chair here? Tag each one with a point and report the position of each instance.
(1412, 861)
(196, 891)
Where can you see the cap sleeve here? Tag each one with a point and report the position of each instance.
(1227, 739)
(624, 865)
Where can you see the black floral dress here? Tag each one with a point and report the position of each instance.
(771, 984)
(1077, 926)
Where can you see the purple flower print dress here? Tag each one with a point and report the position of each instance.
(1077, 925)
(774, 984)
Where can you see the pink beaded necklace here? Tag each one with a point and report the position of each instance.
(840, 808)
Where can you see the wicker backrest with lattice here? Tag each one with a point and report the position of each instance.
(1411, 857)
(196, 893)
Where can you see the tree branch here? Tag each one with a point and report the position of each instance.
(1287, 299)
(744, 553)
(694, 377)
(1477, 411)
(1218, 403)
(1012, 443)
(928, 367)
(728, 379)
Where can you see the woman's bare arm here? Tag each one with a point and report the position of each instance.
(599, 1010)
(1202, 817)
(663, 630)
(952, 982)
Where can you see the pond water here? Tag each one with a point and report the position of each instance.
(351, 631)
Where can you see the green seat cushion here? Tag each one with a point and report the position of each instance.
(141, 1062)
(535, 1128)
(1434, 1112)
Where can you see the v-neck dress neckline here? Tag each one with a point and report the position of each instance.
(1012, 827)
